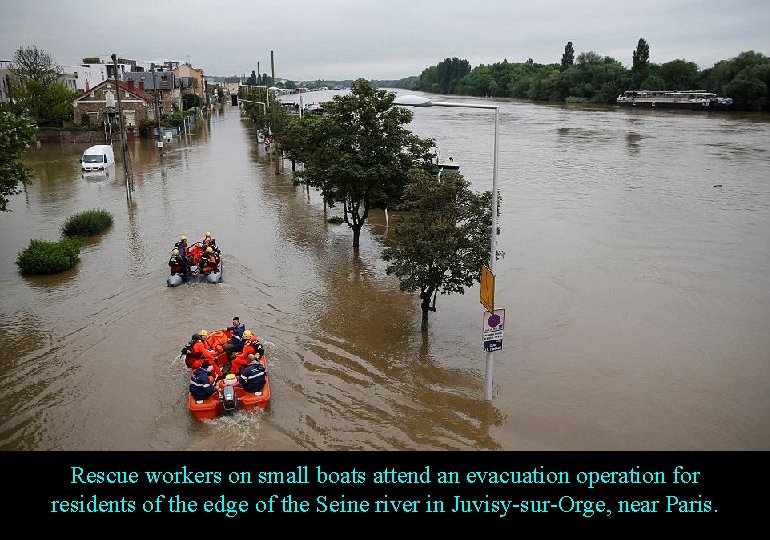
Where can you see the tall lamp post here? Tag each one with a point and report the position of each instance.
(418, 101)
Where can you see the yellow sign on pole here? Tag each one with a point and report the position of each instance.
(487, 288)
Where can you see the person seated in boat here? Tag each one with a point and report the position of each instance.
(202, 381)
(198, 353)
(177, 263)
(238, 328)
(209, 261)
(181, 246)
(209, 241)
(235, 344)
(251, 346)
(254, 376)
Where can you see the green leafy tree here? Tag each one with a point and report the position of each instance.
(568, 58)
(192, 100)
(745, 78)
(444, 239)
(15, 135)
(35, 88)
(641, 56)
(358, 153)
(640, 65)
(679, 75)
(56, 105)
(653, 82)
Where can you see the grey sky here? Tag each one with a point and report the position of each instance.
(386, 39)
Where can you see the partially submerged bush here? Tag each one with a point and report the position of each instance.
(87, 223)
(43, 257)
(335, 220)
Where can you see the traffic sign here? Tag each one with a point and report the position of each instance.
(487, 295)
(493, 325)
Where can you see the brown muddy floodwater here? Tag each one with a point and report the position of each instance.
(637, 295)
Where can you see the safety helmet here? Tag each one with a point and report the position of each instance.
(247, 334)
(203, 333)
(209, 249)
(208, 234)
(183, 239)
(175, 251)
(230, 379)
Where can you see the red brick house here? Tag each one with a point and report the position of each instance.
(101, 104)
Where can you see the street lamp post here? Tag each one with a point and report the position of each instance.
(418, 101)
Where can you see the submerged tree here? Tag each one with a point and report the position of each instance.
(15, 135)
(357, 153)
(444, 239)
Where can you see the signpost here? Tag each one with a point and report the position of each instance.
(494, 322)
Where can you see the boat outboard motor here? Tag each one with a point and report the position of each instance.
(229, 400)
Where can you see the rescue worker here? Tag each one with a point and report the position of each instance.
(199, 353)
(254, 376)
(235, 343)
(176, 262)
(209, 241)
(201, 382)
(251, 345)
(209, 261)
(181, 246)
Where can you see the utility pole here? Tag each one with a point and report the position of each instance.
(123, 141)
(157, 95)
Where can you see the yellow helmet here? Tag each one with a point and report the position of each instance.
(175, 251)
(183, 239)
(203, 333)
(247, 334)
(208, 234)
(209, 249)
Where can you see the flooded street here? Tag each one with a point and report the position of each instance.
(637, 295)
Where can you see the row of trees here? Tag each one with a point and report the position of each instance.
(360, 156)
(589, 77)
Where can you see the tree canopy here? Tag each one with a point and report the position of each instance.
(15, 135)
(36, 91)
(33, 64)
(444, 239)
(568, 58)
(358, 153)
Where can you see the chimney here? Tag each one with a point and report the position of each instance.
(131, 84)
(141, 84)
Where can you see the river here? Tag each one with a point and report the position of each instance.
(635, 285)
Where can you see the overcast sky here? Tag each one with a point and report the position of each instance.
(386, 39)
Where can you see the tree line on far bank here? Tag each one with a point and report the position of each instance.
(589, 77)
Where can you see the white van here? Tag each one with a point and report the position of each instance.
(97, 158)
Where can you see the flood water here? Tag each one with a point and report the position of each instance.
(636, 295)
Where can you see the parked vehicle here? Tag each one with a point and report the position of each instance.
(97, 158)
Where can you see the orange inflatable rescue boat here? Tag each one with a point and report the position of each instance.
(231, 397)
